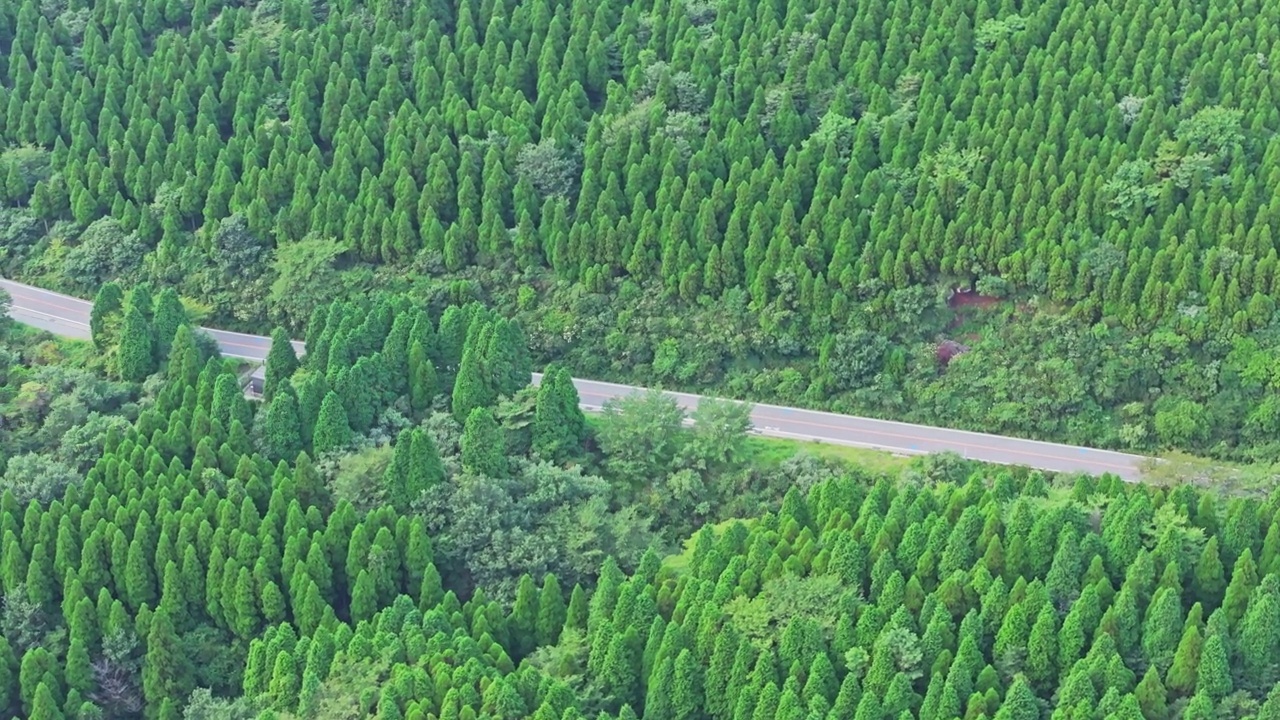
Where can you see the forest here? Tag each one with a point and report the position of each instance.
(405, 528)
(1042, 218)
(922, 211)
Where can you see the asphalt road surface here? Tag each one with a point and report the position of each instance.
(69, 317)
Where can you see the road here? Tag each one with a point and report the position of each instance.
(69, 317)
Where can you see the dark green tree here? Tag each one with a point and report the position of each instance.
(559, 426)
(106, 315)
(166, 670)
(483, 449)
(332, 431)
(135, 355)
(280, 365)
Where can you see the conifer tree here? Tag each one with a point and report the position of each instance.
(1244, 578)
(282, 428)
(332, 431)
(559, 426)
(106, 312)
(43, 705)
(169, 316)
(281, 363)
(1181, 679)
(552, 612)
(1019, 702)
(471, 389)
(1162, 629)
(1213, 677)
(1151, 697)
(364, 597)
(1209, 582)
(166, 672)
(135, 355)
(423, 382)
(483, 448)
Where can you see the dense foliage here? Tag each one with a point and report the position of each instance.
(182, 535)
(190, 575)
(974, 599)
(55, 413)
(463, 558)
(770, 198)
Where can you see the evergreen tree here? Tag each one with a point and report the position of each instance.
(332, 431)
(471, 390)
(423, 383)
(1151, 697)
(552, 612)
(169, 316)
(281, 363)
(1019, 702)
(483, 448)
(559, 426)
(135, 355)
(166, 671)
(1209, 582)
(107, 307)
(1214, 675)
(282, 428)
(1181, 679)
(43, 706)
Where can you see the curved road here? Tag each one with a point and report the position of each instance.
(69, 317)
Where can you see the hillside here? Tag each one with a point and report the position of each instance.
(404, 530)
(770, 199)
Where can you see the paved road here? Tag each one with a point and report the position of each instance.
(69, 317)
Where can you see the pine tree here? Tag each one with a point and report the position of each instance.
(332, 431)
(1019, 702)
(659, 701)
(1151, 696)
(107, 307)
(524, 617)
(1208, 581)
(8, 668)
(282, 428)
(426, 470)
(135, 356)
(284, 684)
(576, 614)
(169, 316)
(364, 597)
(559, 426)
(552, 612)
(1042, 649)
(1181, 678)
(471, 389)
(1270, 709)
(1214, 674)
(281, 363)
(431, 592)
(619, 671)
(1258, 643)
(483, 448)
(395, 480)
(43, 705)
(423, 383)
(1244, 578)
(1162, 629)
(687, 686)
(78, 669)
(166, 670)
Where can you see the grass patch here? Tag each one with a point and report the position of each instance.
(772, 451)
(1228, 477)
(678, 563)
